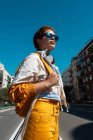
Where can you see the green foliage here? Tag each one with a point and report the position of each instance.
(4, 94)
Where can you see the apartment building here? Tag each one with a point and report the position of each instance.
(74, 75)
(68, 85)
(80, 74)
(66, 77)
(5, 77)
(85, 72)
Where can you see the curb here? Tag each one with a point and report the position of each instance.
(6, 109)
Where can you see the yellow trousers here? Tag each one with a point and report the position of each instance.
(43, 121)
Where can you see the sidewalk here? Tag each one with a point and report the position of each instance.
(82, 105)
(3, 109)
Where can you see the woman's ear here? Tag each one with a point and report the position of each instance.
(38, 41)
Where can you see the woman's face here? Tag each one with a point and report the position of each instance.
(48, 40)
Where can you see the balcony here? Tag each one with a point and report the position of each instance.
(79, 60)
(91, 58)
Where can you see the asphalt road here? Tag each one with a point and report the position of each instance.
(9, 122)
(76, 125)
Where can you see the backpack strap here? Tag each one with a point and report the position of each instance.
(49, 69)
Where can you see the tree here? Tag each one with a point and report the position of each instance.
(4, 94)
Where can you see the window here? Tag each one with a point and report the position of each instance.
(83, 80)
(84, 63)
(90, 77)
(83, 55)
(0, 83)
(88, 61)
(87, 87)
(87, 52)
(92, 66)
(8, 78)
(92, 88)
(89, 68)
(81, 65)
(1, 78)
(86, 79)
(85, 71)
(91, 57)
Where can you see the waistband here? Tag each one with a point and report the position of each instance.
(47, 106)
(49, 101)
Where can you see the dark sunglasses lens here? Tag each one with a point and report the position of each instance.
(48, 35)
(51, 36)
(56, 38)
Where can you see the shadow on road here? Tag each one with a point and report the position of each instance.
(83, 132)
(82, 114)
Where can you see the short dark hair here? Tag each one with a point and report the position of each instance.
(39, 33)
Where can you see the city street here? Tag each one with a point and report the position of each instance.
(9, 122)
(75, 125)
(46, 60)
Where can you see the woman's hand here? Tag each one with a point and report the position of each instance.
(52, 79)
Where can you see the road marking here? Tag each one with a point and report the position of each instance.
(60, 138)
(16, 131)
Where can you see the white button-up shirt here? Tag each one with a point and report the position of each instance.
(33, 70)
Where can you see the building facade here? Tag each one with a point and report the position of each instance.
(85, 72)
(5, 78)
(66, 77)
(74, 75)
(81, 74)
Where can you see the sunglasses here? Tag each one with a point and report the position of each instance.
(51, 36)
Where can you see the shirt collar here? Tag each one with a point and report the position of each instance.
(48, 57)
(43, 53)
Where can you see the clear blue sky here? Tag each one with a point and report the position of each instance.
(19, 19)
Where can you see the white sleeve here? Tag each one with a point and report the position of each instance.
(28, 71)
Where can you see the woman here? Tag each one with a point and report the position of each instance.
(32, 79)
